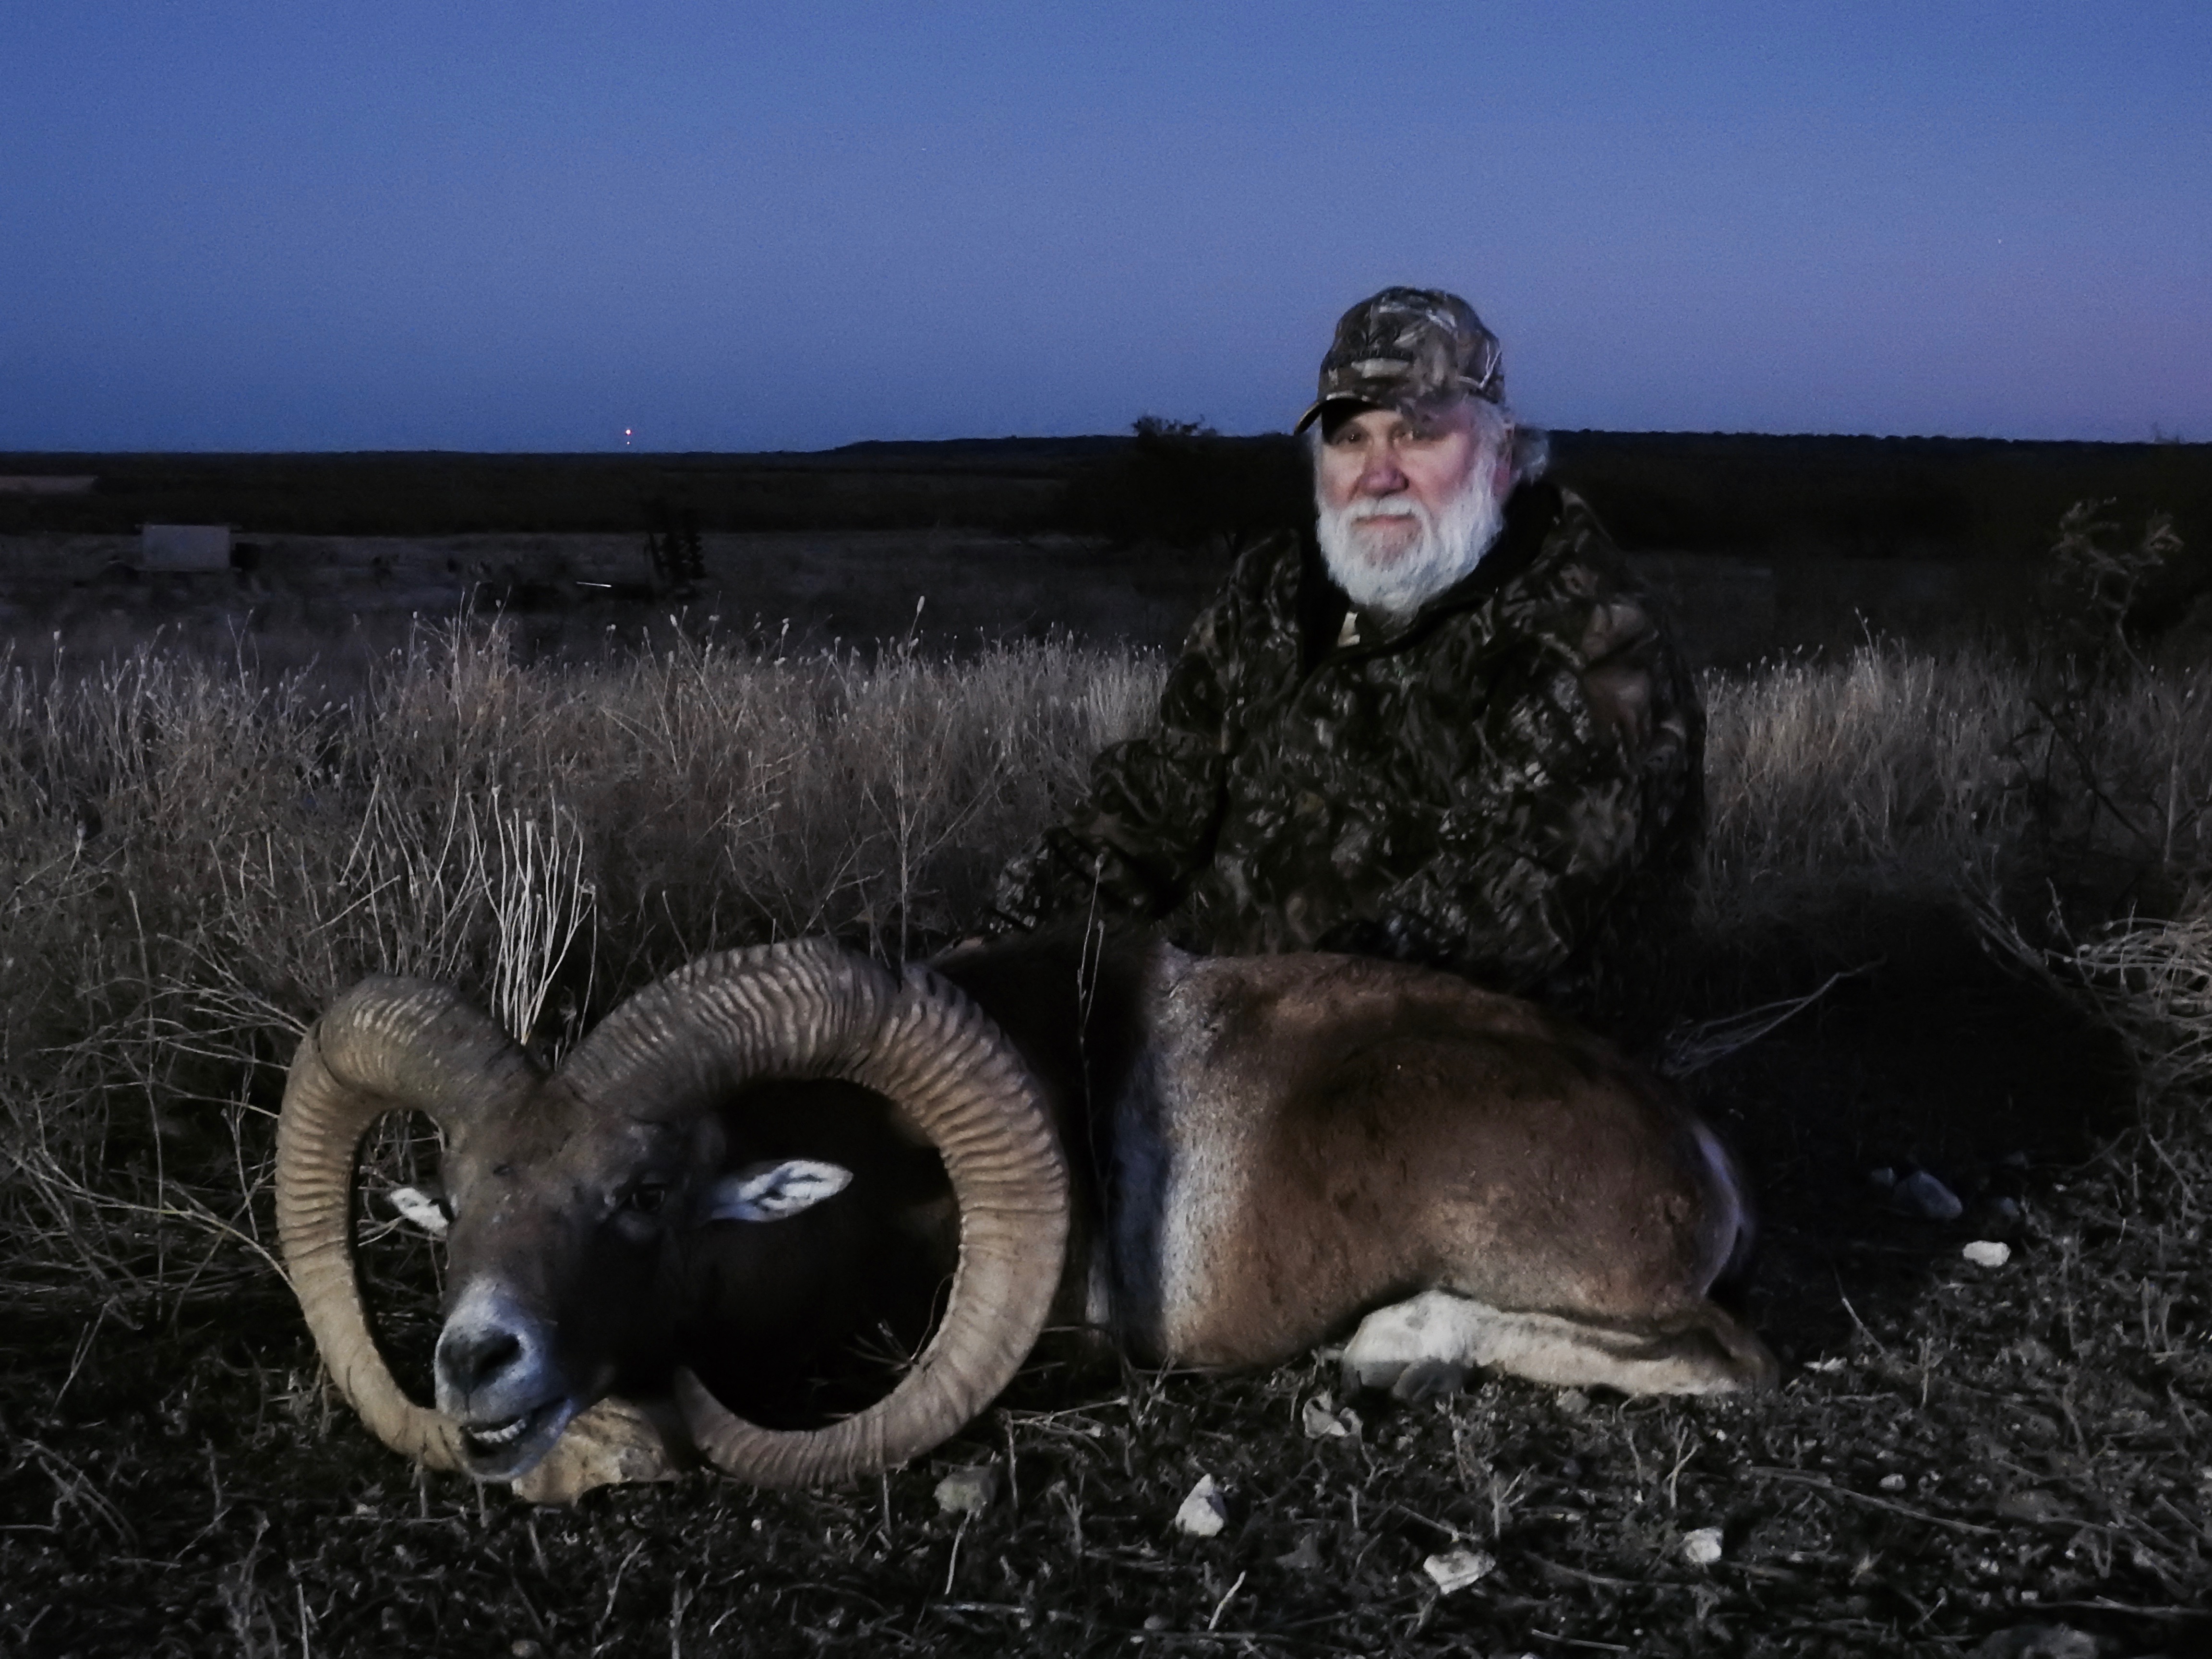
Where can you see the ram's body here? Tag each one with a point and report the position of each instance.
(1217, 1162)
(1263, 1147)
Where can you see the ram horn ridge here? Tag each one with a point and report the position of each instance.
(813, 1010)
(388, 1045)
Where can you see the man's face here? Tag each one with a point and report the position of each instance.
(1384, 473)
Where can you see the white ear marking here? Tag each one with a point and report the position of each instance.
(770, 1192)
(420, 1211)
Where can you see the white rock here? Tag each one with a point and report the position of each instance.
(1454, 1570)
(1987, 1253)
(1305, 1558)
(1702, 1548)
(1891, 1483)
(1325, 1421)
(1920, 1193)
(969, 1492)
(1205, 1512)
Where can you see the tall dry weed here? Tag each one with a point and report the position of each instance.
(2151, 980)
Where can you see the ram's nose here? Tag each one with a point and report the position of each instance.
(491, 1359)
(470, 1360)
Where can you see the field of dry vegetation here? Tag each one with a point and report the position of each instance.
(1987, 882)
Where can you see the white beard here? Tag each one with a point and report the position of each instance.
(1451, 543)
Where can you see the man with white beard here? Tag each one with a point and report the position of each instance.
(1407, 502)
(1446, 728)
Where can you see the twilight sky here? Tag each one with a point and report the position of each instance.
(278, 224)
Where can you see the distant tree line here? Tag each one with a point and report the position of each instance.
(1176, 482)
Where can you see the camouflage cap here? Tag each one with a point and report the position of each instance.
(1407, 346)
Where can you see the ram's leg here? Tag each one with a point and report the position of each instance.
(1428, 1345)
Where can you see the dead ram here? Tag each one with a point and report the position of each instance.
(1217, 1162)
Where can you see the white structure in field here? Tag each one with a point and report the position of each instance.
(46, 483)
(184, 547)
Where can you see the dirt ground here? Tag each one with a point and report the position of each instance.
(1959, 1456)
(333, 604)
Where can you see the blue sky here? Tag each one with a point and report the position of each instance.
(498, 226)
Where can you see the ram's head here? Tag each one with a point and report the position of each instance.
(605, 1238)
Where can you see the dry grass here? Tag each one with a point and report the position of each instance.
(1936, 774)
(197, 862)
(1887, 766)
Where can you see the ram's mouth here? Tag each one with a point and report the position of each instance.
(485, 1440)
(507, 1449)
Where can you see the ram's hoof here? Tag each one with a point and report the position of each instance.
(1403, 1380)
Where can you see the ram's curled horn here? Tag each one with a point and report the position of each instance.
(388, 1045)
(812, 1009)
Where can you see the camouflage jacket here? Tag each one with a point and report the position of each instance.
(1486, 790)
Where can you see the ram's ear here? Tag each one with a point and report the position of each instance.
(769, 1192)
(423, 1209)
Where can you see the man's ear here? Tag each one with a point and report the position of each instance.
(770, 1192)
(1502, 478)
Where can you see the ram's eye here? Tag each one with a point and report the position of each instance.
(648, 1197)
